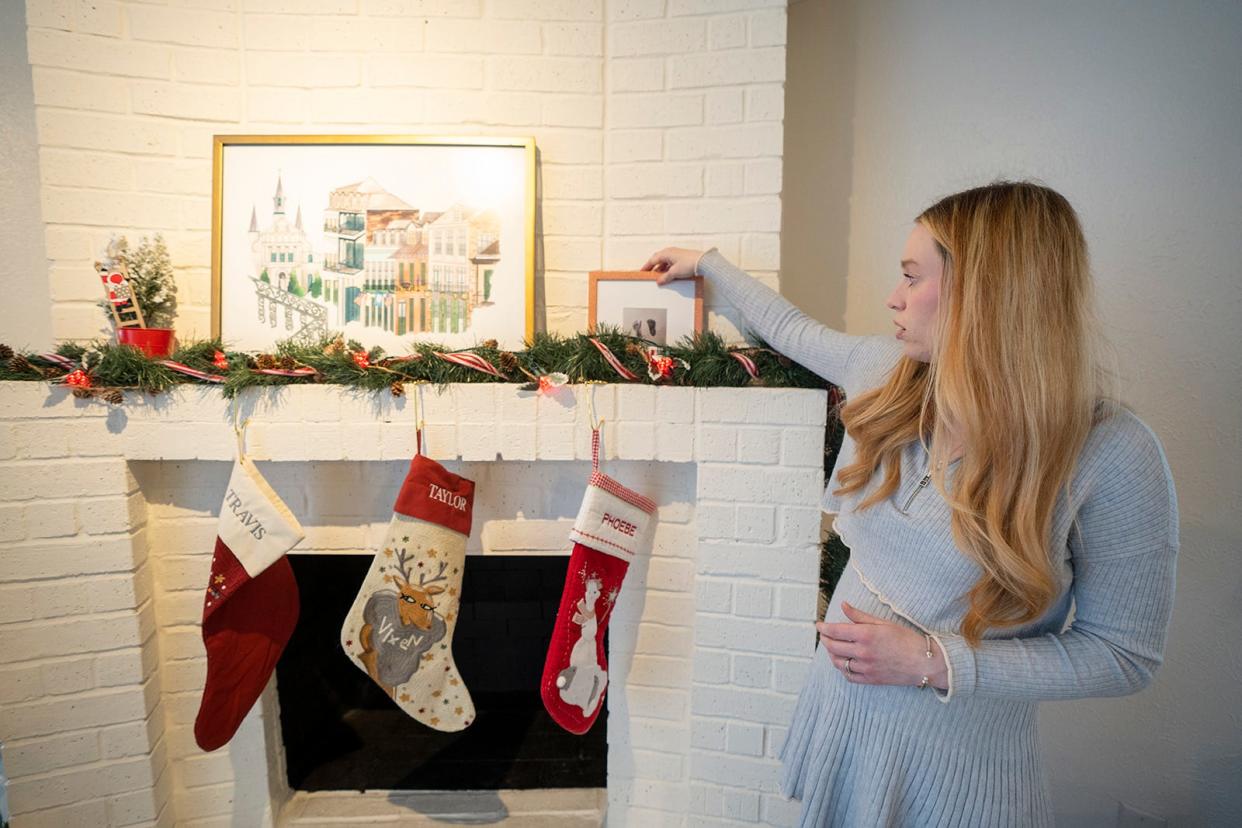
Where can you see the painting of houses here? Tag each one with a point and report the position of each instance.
(407, 251)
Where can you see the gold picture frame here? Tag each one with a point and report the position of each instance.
(409, 238)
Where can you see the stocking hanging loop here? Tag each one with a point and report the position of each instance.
(239, 428)
(418, 418)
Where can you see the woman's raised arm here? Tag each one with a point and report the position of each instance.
(829, 353)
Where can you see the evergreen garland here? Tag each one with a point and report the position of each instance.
(700, 361)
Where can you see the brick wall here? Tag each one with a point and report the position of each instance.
(107, 517)
(658, 121)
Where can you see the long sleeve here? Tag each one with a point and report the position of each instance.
(1124, 560)
(829, 353)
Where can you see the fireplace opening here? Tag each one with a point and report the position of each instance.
(342, 732)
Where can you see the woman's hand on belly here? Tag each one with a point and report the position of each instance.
(870, 650)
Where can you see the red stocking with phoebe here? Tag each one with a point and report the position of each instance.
(614, 525)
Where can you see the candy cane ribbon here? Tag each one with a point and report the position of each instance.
(57, 359)
(747, 363)
(469, 360)
(625, 373)
(182, 368)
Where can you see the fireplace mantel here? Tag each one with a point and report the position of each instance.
(106, 521)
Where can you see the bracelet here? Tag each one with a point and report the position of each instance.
(926, 679)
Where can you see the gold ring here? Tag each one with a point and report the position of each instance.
(848, 668)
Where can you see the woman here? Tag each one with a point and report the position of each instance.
(986, 479)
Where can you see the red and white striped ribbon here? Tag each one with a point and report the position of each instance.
(747, 363)
(182, 368)
(625, 373)
(57, 359)
(470, 360)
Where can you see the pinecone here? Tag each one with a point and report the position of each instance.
(489, 343)
(114, 396)
(783, 360)
(265, 361)
(397, 388)
(5, 352)
(83, 393)
(633, 348)
(336, 346)
(288, 363)
(508, 362)
(20, 364)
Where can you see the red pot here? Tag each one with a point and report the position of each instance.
(154, 342)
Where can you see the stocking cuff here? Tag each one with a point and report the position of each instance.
(255, 524)
(614, 519)
(434, 494)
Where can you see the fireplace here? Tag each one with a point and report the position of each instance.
(708, 645)
(342, 732)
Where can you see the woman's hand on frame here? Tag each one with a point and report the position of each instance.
(870, 650)
(673, 263)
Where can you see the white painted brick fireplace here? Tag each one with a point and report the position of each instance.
(107, 518)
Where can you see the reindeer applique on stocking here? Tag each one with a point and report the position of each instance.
(614, 525)
(399, 630)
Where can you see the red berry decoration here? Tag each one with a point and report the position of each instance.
(78, 379)
(220, 361)
(361, 359)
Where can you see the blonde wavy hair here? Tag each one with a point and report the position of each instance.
(1016, 375)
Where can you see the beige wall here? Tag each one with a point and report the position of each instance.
(1133, 111)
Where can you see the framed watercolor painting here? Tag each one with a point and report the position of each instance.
(387, 239)
(633, 302)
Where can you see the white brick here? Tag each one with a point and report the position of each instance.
(768, 28)
(759, 445)
(574, 111)
(764, 177)
(89, 710)
(107, 515)
(765, 103)
(572, 181)
(725, 180)
(281, 32)
(711, 667)
(743, 141)
(570, 253)
(125, 667)
(183, 26)
(674, 443)
(726, 32)
(715, 444)
(81, 783)
(761, 251)
(635, 9)
(194, 65)
(655, 639)
(204, 103)
(545, 74)
(742, 805)
(583, 39)
(688, 70)
(635, 74)
(659, 671)
(31, 756)
(797, 601)
(759, 706)
(657, 703)
(752, 600)
(281, 69)
(708, 734)
(74, 51)
(655, 180)
(21, 683)
(788, 675)
(664, 37)
(574, 219)
(722, 215)
(69, 676)
(752, 671)
(369, 35)
(70, 557)
(756, 524)
(713, 596)
(634, 218)
(681, 7)
(625, 146)
(424, 71)
(799, 524)
(16, 604)
(639, 111)
(131, 738)
(76, 90)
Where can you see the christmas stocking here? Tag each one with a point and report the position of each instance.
(400, 628)
(251, 605)
(614, 524)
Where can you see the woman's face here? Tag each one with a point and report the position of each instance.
(915, 299)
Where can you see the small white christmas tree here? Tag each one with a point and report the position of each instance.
(150, 276)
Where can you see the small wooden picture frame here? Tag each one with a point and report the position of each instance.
(632, 301)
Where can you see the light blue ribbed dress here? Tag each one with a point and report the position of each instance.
(870, 755)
